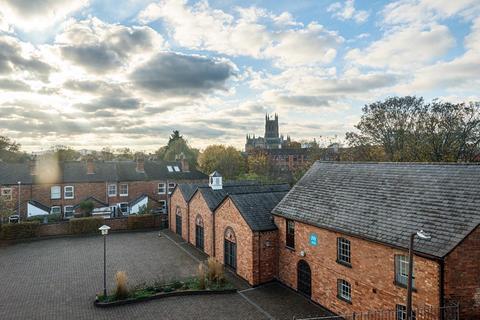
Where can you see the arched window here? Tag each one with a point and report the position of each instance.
(178, 221)
(230, 248)
(230, 235)
(199, 233)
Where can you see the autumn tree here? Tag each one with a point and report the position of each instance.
(10, 150)
(408, 129)
(225, 159)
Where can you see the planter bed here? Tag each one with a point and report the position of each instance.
(160, 295)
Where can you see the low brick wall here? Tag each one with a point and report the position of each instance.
(53, 229)
(116, 224)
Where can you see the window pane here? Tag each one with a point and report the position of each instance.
(161, 188)
(343, 250)
(401, 270)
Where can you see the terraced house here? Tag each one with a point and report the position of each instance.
(123, 187)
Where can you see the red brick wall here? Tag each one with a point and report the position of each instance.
(226, 216)
(371, 275)
(198, 206)
(265, 245)
(177, 200)
(462, 276)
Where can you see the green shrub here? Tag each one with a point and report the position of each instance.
(51, 218)
(20, 230)
(85, 225)
(86, 207)
(140, 221)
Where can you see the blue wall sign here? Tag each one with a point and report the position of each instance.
(313, 239)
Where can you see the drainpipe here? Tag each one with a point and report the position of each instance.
(188, 223)
(259, 241)
(442, 287)
(213, 233)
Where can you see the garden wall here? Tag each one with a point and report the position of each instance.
(65, 227)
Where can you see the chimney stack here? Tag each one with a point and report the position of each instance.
(184, 163)
(140, 164)
(33, 165)
(90, 165)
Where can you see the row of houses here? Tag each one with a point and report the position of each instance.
(341, 235)
(116, 187)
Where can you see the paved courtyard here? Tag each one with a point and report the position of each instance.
(58, 279)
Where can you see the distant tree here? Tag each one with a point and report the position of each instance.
(64, 153)
(106, 154)
(176, 145)
(227, 160)
(258, 164)
(124, 154)
(10, 151)
(407, 129)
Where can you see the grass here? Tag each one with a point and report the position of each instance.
(210, 278)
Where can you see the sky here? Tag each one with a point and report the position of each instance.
(90, 74)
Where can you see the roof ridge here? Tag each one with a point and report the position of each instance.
(256, 192)
(400, 163)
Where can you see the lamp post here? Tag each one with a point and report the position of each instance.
(19, 189)
(104, 229)
(424, 236)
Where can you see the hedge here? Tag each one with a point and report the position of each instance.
(20, 230)
(85, 225)
(140, 221)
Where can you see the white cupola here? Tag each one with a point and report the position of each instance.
(215, 181)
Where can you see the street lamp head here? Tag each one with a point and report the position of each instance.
(423, 235)
(19, 182)
(104, 229)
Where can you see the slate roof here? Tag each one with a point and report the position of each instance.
(140, 198)
(386, 202)
(188, 189)
(214, 197)
(76, 171)
(256, 208)
(39, 205)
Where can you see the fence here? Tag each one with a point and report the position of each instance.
(450, 312)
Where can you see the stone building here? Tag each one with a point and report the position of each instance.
(344, 232)
(271, 139)
(59, 188)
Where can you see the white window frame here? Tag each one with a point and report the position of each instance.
(163, 205)
(401, 270)
(57, 195)
(65, 212)
(171, 186)
(7, 196)
(344, 290)
(65, 192)
(176, 168)
(56, 207)
(162, 186)
(120, 208)
(110, 194)
(170, 168)
(122, 194)
(344, 251)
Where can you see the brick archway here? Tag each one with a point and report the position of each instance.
(230, 248)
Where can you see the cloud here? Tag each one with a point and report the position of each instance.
(428, 11)
(201, 27)
(13, 85)
(405, 48)
(171, 73)
(347, 11)
(100, 47)
(112, 103)
(16, 57)
(32, 15)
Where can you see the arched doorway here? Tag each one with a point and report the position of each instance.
(304, 278)
(199, 233)
(178, 221)
(230, 249)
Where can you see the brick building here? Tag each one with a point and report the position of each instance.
(344, 231)
(51, 187)
(206, 215)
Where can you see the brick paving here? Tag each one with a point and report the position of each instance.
(58, 279)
